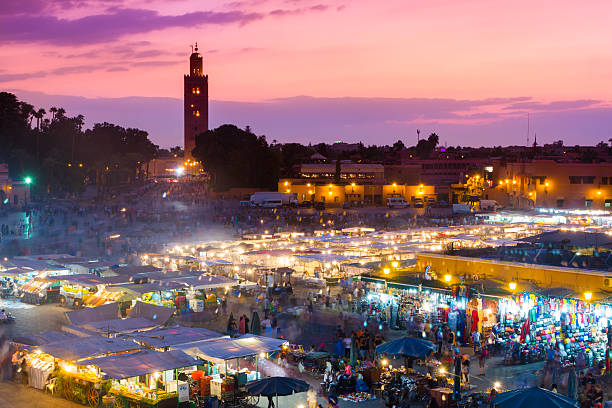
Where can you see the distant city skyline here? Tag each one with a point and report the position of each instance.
(372, 72)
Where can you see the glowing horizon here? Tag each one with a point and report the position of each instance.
(545, 58)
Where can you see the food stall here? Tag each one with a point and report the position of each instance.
(536, 322)
(57, 366)
(145, 378)
(12, 279)
(40, 290)
(231, 363)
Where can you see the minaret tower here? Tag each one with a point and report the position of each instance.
(195, 101)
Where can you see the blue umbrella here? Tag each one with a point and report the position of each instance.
(534, 397)
(275, 386)
(407, 347)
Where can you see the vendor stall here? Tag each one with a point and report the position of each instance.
(144, 378)
(237, 359)
(40, 290)
(535, 323)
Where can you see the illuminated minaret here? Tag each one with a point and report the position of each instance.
(195, 101)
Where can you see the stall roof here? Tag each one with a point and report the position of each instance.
(222, 349)
(108, 311)
(89, 280)
(135, 270)
(16, 272)
(578, 239)
(138, 289)
(32, 264)
(158, 314)
(39, 339)
(141, 363)
(325, 257)
(121, 325)
(203, 282)
(171, 336)
(83, 347)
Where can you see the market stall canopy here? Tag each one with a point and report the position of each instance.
(108, 311)
(138, 289)
(534, 397)
(276, 386)
(154, 313)
(578, 239)
(325, 257)
(39, 339)
(120, 325)
(222, 349)
(172, 336)
(407, 347)
(89, 280)
(18, 272)
(135, 270)
(141, 363)
(205, 282)
(84, 347)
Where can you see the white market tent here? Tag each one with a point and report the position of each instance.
(223, 349)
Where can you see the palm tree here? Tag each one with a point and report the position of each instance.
(40, 113)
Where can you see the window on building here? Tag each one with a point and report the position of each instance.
(588, 179)
(575, 179)
(560, 203)
(588, 203)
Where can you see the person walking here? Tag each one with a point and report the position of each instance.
(482, 359)
(311, 398)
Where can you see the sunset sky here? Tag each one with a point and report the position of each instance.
(323, 70)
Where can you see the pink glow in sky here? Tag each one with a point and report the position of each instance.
(464, 67)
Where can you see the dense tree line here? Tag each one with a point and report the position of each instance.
(234, 157)
(61, 156)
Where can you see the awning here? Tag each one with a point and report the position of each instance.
(220, 350)
(108, 311)
(51, 336)
(171, 336)
(84, 347)
(141, 363)
(120, 325)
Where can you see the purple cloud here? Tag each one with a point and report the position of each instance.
(370, 120)
(553, 106)
(110, 26)
(16, 7)
(291, 12)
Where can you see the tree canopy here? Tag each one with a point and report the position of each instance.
(234, 157)
(61, 156)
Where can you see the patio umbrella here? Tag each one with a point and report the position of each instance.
(534, 397)
(255, 324)
(407, 347)
(275, 386)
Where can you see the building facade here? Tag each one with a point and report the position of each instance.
(195, 102)
(12, 193)
(551, 184)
